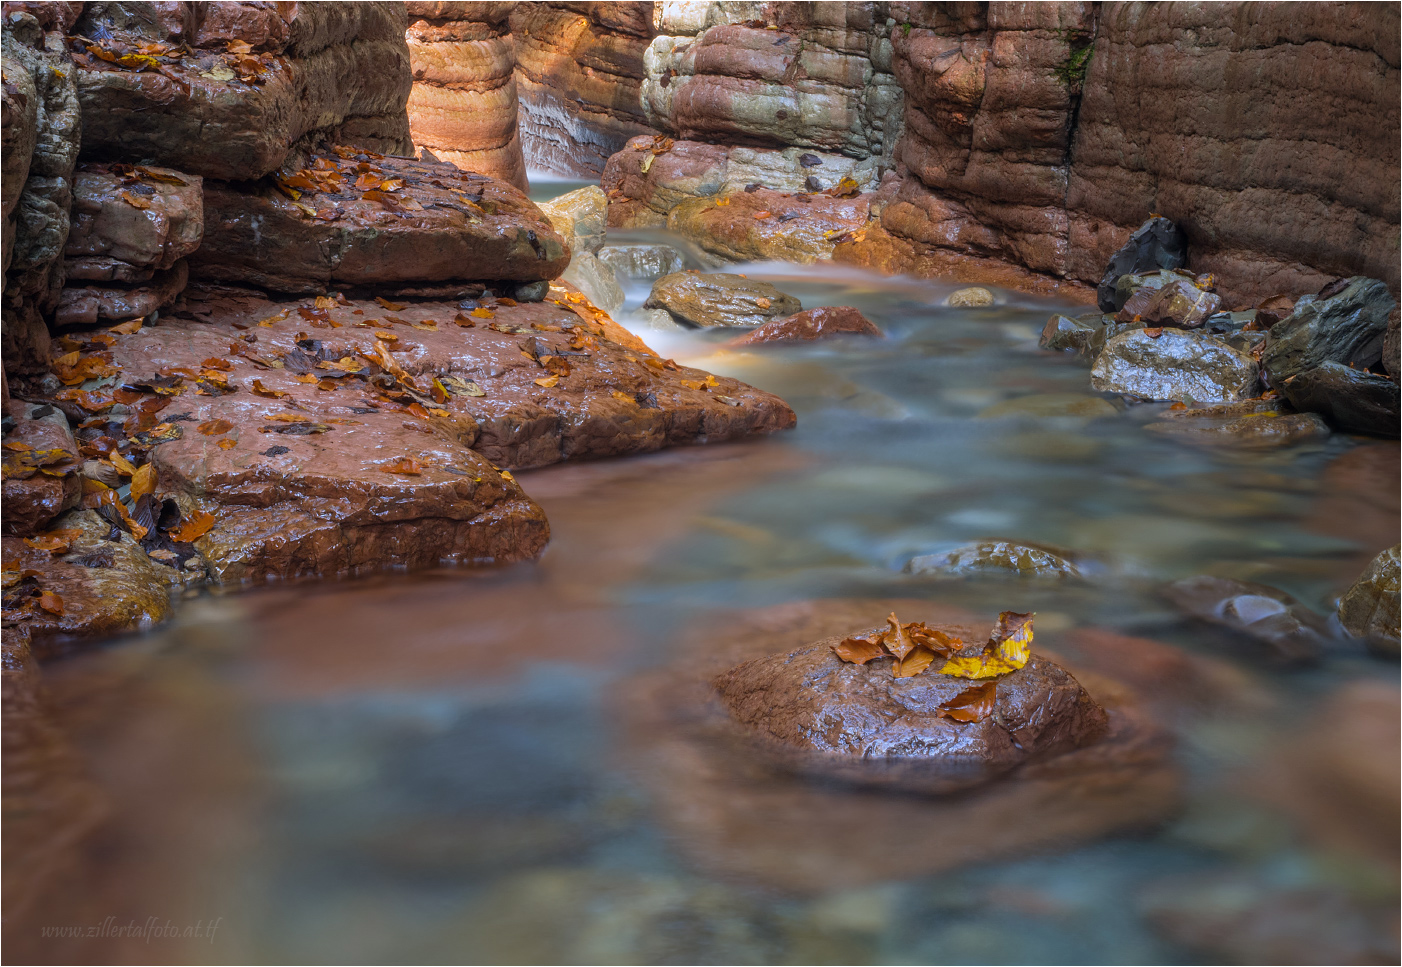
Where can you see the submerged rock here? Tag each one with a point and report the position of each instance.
(820, 323)
(33, 496)
(972, 297)
(1255, 430)
(1344, 324)
(1293, 632)
(1157, 244)
(580, 217)
(860, 723)
(441, 226)
(1042, 406)
(1354, 400)
(1369, 609)
(993, 557)
(642, 261)
(720, 299)
(1174, 365)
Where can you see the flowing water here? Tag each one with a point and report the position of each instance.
(445, 766)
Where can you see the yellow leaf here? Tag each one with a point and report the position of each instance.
(547, 381)
(144, 480)
(1008, 650)
(128, 327)
(647, 162)
(914, 663)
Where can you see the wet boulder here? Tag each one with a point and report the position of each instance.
(1174, 365)
(720, 299)
(1083, 335)
(642, 261)
(338, 70)
(1157, 244)
(829, 717)
(821, 323)
(760, 223)
(596, 279)
(86, 304)
(1345, 323)
(41, 468)
(1177, 303)
(580, 217)
(970, 298)
(1369, 609)
(365, 220)
(1292, 632)
(1354, 400)
(998, 557)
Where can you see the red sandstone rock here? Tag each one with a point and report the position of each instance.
(340, 70)
(579, 67)
(464, 105)
(443, 226)
(32, 500)
(126, 224)
(820, 323)
(82, 304)
(763, 224)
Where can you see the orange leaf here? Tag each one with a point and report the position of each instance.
(51, 602)
(914, 663)
(123, 465)
(214, 362)
(973, 704)
(859, 651)
(548, 381)
(135, 201)
(391, 306)
(215, 427)
(483, 313)
(762, 215)
(262, 390)
(227, 444)
(896, 639)
(128, 327)
(54, 545)
(194, 528)
(144, 480)
(405, 465)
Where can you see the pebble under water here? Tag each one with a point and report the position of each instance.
(450, 767)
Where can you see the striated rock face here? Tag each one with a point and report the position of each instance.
(1257, 128)
(803, 75)
(443, 226)
(579, 70)
(463, 107)
(41, 128)
(341, 70)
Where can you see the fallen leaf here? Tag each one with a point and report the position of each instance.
(482, 312)
(391, 306)
(722, 202)
(914, 663)
(135, 201)
(896, 639)
(227, 444)
(128, 327)
(193, 528)
(54, 545)
(262, 390)
(123, 465)
(763, 302)
(859, 651)
(973, 704)
(1007, 650)
(405, 465)
(51, 602)
(464, 321)
(214, 362)
(144, 480)
(548, 381)
(760, 215)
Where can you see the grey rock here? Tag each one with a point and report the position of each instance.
(596, 280)
(580, 217)
(1175, 365)
(1369, 609)
(1084, 335)
(998, 557)
(720, 300)
(642, 261)
(1157, 244)
(1352, 400)
(1347, 326)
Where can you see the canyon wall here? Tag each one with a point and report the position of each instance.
(1025, 138)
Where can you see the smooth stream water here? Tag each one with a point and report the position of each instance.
(442, 766)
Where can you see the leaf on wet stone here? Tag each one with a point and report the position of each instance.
(226, 444)
(914, 663)
(896, 639)
(192, 528)
(973, 704)
(54, 545)
(144, 480)
(262, 390)
(1008, 650)
(481, 312)
(548, 381)
(464, 387)
(860, 650)
(135, 201)
(123, 465)
(51, 602)
(404, 465)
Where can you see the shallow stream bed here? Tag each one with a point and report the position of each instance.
(445, 767)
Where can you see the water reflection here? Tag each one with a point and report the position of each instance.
(504, 767)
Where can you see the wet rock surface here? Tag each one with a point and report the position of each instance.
(1259, 430)
(1370, 608)
(970, 298)
(87, 304)
(1345, 323)
(738, 816)
(128, 222)
(41, 468)
(463, 107)
(1155, 245)
(1083, 335)
(761, 224)
(998, 557)
(1174, 365)
(642, 261)
(720, 299)
(1352, 400)
(433, 226)
(596, 279)
(1291, 631)
(580, 217)
(340, 70)
(823, 322)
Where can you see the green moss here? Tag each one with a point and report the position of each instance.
(1073, 70)
(905, 30)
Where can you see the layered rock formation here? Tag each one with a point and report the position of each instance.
(579, 70)
(463, 108)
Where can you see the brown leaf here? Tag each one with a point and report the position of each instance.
(933, 639)
(128, 327)
(193, 528)
(548, 381)
(391, 306)
(859, 651)
(760, 215)
(51, 602)
(896, 639)
(144, 480)
(215, 427)
(557, 365)
(464, 321)
(135, 201)
(405, 465)
(123, 465)
(262, 390)
(214, 362)
(226, 444)
(973, 704)
(914, 663)
(54, 545)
